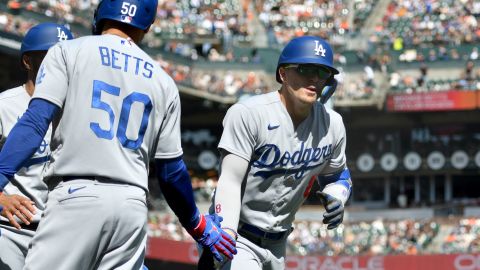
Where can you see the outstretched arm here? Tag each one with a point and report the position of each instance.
(25, 138)
(177, 189)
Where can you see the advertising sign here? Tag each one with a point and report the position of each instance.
(186, 252)
(432, 101)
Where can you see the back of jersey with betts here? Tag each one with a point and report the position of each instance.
(114, 99)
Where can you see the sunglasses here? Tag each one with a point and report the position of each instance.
(322, 72)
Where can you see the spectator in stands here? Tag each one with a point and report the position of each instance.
(474, 54)
(422, 79)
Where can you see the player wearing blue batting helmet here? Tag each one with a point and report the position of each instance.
(43, 36)
(35, 45)
(310, 50)
(137, 13)
(24, 202)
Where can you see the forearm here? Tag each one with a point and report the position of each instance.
(227, 203)
(25, 138)
(177, 189)
(338, 185)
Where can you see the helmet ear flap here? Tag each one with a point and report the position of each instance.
(95, 27)
(328, 89)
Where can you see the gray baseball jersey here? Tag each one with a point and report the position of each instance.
(283, 161)
(119, 110)
(28, 181)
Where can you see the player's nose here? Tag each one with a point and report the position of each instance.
(314, 78)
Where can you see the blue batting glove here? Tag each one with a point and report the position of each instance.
(334, 210)
(216, 219)
(210, 236)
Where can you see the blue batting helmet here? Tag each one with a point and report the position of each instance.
(307, 50)
(137, 13)
(43, 36)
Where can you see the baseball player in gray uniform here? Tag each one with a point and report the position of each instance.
(115, 110)
(24, 198)
(273, 148)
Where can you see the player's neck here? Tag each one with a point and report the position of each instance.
(29, 87)
(135, 36)
(297, 111)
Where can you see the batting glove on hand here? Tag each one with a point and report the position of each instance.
(334, 210)
(210, 236)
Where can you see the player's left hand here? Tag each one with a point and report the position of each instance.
(19, 206)
(334, 210)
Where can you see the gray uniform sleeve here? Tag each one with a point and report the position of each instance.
(169, 141)
(227, 202)
(338, 160)
(239, 131)
(52, 78)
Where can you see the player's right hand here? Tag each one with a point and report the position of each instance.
(334, 210)
(212, 237)
(19, 206)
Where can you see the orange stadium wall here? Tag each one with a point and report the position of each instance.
(186, 252)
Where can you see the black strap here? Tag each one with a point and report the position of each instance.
(250, 230)
(32, 227)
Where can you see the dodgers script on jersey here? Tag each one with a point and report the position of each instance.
(28, 181)
(127, 109)
(283, 161)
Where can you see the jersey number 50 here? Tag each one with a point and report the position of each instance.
(97, 103)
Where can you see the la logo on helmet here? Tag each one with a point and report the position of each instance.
(319, 49)
(61, 34)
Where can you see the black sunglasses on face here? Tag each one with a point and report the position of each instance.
(312, 70)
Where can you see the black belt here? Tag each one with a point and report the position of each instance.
(257, 235)
(101, 179)
(67, 178)
(32, 227)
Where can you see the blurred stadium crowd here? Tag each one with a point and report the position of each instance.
(423, 32)
(211, 46)
(380, 237)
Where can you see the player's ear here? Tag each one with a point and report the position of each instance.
(281, 74)
(26, 62)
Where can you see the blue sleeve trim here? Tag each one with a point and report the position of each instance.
(342, 178)
(177, 189)
(3, 182)
(25, 137)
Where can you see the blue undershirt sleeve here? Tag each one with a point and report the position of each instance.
(177, 189)
(25, 138)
